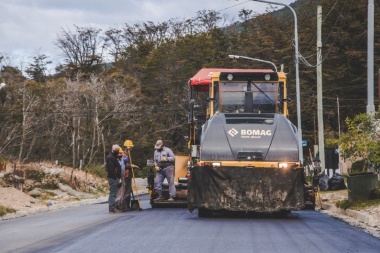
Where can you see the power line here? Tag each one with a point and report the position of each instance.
(345, 87)
(344, 106)
(232, 6)
(344, 8)
(340, 27)
(346, 99)
(332, 8)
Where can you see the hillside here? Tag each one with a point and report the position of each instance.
(37, 187)
(140, 91)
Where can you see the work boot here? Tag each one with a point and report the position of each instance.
(160, 198)
(170, 199)
(115, 211)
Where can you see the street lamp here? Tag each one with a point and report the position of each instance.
(370, 61)
(253, 59)
(300, 153)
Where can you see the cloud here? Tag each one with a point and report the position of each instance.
(28, 27)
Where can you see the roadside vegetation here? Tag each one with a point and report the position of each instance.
(345, 204)
(361, 143)
(97, 170)
(131, 82)
(44, 180)
(4, 210)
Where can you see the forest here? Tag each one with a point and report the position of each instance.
(131, 83)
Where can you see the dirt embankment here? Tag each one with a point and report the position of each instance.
(39, 187)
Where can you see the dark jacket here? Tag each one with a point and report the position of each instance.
(113, 166)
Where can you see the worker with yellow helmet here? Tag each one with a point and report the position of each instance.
(123, 198)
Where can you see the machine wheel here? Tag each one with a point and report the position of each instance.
(203, 212)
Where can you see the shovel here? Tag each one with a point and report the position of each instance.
(135, 204)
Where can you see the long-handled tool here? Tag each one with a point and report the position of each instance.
(129, 145)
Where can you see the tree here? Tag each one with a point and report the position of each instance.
(37, 69)
(114, 42)
(207, 20)
(30, 102)
(10, 110)
(362, 140)
(83, 50)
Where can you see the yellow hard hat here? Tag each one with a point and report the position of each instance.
(128, 144)
(120, 150)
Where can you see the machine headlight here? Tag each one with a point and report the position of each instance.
(283, 165)
(216, 164)
(288, 165)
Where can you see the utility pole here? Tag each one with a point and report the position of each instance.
(337, 103)
(298, 89)
(378, 84)
(321, 139)
(370, 68)
(339, 157)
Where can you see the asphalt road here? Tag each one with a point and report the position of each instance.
(91, 229)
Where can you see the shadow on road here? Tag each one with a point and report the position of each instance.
(254, 215)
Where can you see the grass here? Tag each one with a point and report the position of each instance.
(345, 204)
(102, 190)
(4, 210)
(97, 170)
(44, 196)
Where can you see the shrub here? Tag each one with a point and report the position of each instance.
(35, 175)
(357, 167)
(4, 210)
(98, 170)
(3, 163)
(51, 185)
(331, 143)
(344, 204)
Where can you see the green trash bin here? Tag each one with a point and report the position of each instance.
(360, 185)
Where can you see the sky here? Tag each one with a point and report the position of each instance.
(30, 27)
